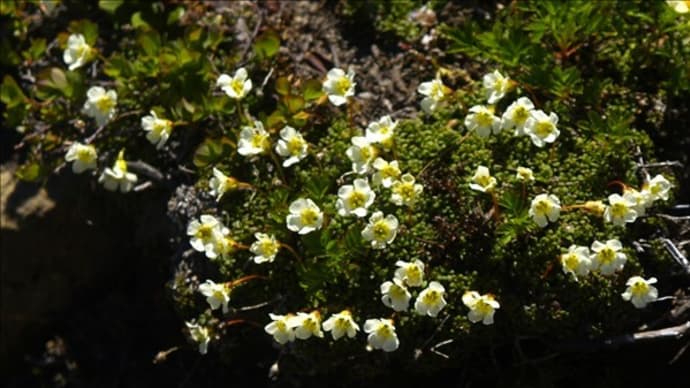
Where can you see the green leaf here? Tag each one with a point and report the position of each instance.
(293, 103)
(175, 15)
(30, 172)
(312, 90)
(138, 21)
(38, 47)
(150, 42)
(12, 95)
(110, 6)
(212, 151)
(267, 45)
(283, 86)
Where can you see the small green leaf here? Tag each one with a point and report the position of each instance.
(138, 21)
(212, 151)
(282, 86)
(294, 103)
(110, 6)
(312, 90)
(12, 95)
(175, 15)
(267, 45)
(150, 42)
(29, 172)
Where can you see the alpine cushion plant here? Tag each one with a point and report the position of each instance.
(382, 223)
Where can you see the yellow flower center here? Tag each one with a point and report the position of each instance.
(384, 331)
(542, 207)
(105, 103)
(342, 323)
(639, 288)
(259, 140)
(405, 190)
(483, 307)
(309, 216)
(268, 247)
(389, 172)
(606, 255)
(414, 274)
(571, 261)
(520, 115)
(543, 128)
(381, 230)
(619, 209)
(295, 145)
(483, 180)
(367, 152)
(357, 199)
(160, 126)
(343, 85)
(237, 86)
(204, 232)
(84, 154)
(432, 297)
(484, 119)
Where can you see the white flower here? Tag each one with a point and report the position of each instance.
(253, 140)
(516, 115)
(304, 217)
(236, 86)
(434, 91)
(381, 334)
(291, 146)
(525, 174)
(386, 173)
(412, 273)
(483, 181)
(430, 301)
(362, 153)
(640, 291)
(339, 86)
(545, 208)
(115, 177)
(482, 121)
(395, 295)
(576, 261)
(607, 258)
(217, 294)
(265, 248)
(222, 246)
(405, 191)
(641, 199)
(542, 128)
(306, 325)
(158, 129)
(204, 235)
(199, 335)
(380, 231)
(381, 131)
(279, 329)
(658, 188)
(355, 199)
(221, 183)
(77, 52)
(482, 307)
(680, 6)
(620, 210)
(84, 157)
(100, 104)
(496, 86)
(341, 324)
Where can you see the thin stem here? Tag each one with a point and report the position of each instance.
(292, 251)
